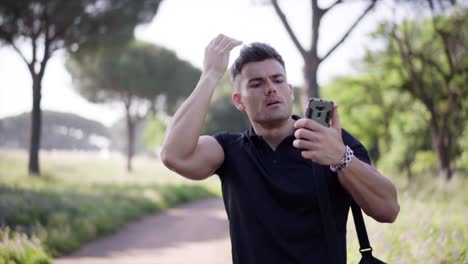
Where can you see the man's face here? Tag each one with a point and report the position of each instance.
(263, 92)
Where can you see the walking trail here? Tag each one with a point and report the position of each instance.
(193, 233)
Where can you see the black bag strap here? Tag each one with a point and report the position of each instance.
(330, 228)
(326, 213)
(364, 245)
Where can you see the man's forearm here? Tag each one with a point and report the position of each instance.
(374, 193)
(186, 125)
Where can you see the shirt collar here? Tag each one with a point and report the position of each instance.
(251, 132)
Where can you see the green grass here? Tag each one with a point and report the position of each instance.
(80, 197)
(432, 226)
(17, 247)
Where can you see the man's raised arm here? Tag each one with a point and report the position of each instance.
(184, 150)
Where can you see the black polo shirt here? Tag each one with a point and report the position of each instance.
(271, 203)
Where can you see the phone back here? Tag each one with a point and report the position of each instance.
(320, 110)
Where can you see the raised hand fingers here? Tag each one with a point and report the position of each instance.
(232, 44)
(227, 44)
(224, 43)
(215, 42)
(217, 54)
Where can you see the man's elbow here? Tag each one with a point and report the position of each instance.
(167, 159)
(389, 215)
(179, 166)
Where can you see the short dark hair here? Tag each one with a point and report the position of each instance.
(252, 53)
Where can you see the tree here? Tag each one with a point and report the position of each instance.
(312, 60)
(431, 57)
(389, 122)
(45, 26)
(410, 105)
(138, 75)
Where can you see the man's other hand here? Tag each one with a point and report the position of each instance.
(323, 145)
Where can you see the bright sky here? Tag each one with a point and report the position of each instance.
(187, 26)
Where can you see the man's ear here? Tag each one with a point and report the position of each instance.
(236, 99)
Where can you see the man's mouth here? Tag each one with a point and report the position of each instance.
(273, 102)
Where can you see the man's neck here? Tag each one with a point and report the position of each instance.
(274, 134)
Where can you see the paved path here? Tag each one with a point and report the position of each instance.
(193, 233)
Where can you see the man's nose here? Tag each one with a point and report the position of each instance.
(270, 88)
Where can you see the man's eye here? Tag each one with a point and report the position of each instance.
(255, 85)
(279, 80)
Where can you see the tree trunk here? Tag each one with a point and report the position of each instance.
(441, 149)
(35, 129)
(311, 59)
(130, 141)
(310, 88)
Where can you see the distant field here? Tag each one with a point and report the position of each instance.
(78, 197)
(82, 196)
(90, 167)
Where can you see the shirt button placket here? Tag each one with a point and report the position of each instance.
(275, 160)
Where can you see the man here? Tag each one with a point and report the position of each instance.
(268, 173)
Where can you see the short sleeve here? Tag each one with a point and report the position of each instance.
(359, 150)
(221, 137)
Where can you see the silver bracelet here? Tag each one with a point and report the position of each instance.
(344, 161)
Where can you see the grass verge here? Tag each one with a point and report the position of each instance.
(79, 198)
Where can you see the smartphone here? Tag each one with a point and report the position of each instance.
(320, 110)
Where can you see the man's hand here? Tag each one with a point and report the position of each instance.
(217, 55)
(374, 193)
(323, 145)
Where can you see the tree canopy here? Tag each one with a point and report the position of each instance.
(36, 29)
(139, 75)
(411, 106)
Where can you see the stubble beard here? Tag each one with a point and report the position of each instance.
(273, 119)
